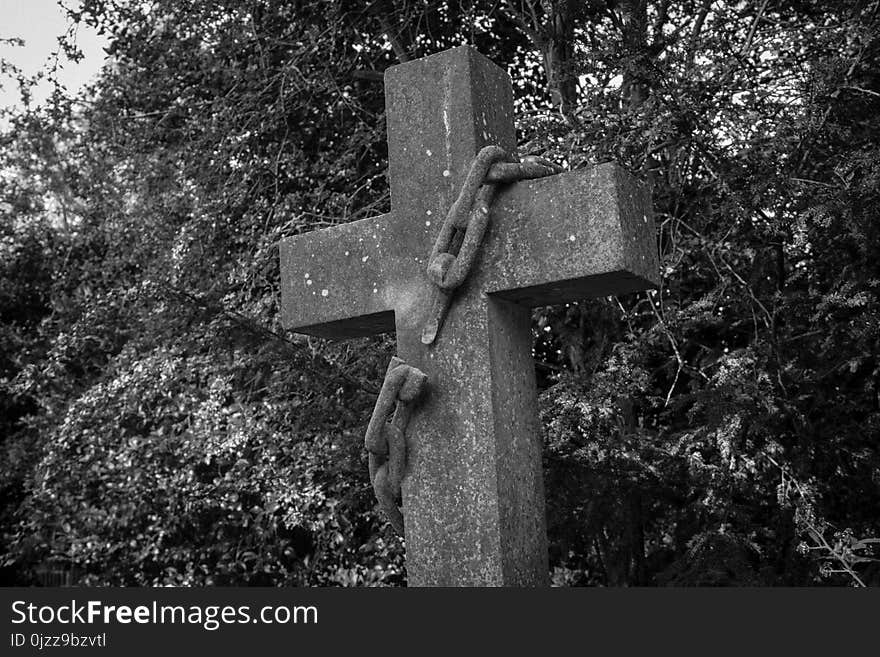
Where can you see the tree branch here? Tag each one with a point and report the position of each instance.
(517, 18)
(695, 33)
(864, 91)
(748, 44)
(660, 21)
(368, 76)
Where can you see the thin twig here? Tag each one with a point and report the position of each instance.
(748, 44)
(862, 90)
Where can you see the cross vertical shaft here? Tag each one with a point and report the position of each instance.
(473, 497)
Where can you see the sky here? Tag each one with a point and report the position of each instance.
(40, 23)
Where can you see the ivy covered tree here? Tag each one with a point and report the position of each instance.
(159, 427)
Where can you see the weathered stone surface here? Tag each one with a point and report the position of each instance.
(580, 234)
(473, 495)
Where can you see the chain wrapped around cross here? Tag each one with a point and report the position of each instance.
(449, 264)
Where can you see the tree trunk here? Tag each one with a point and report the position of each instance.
(552, 35)
(399, 36)
(558, 53)
(635, 89)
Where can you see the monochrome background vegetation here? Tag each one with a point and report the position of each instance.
(159, 427)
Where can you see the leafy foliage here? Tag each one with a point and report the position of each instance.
(159, 427)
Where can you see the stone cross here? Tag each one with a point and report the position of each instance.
(473, 495)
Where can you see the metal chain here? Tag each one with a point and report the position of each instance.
(450, 262)
(386, 441)
(456, 246)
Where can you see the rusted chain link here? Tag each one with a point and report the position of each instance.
(456, 246)
(386, 441)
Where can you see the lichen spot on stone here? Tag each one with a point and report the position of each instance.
(325, 292)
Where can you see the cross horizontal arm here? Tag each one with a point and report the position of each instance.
(585, 233)
(339, 282)
(581, 234)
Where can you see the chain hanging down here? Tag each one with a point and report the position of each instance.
(386, 442)
(456, 246)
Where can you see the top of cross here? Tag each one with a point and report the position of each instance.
(583, 229)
